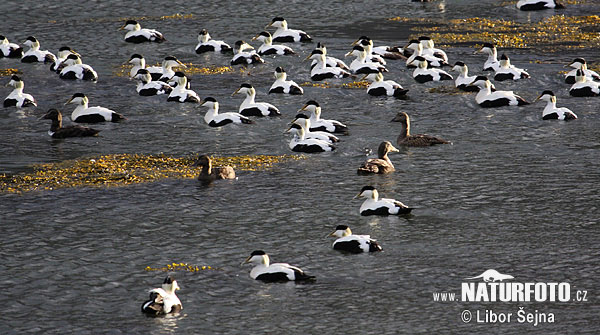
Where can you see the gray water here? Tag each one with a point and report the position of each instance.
(512, 193)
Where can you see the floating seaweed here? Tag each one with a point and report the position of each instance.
(9, 72)
(180, 267)
(324, 84)
(123, 70)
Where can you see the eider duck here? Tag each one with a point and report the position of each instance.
(206, 44)
(329, 61)
(167, 69)
(355, 244)
(420, 140)
(380, 87)
(318, 124)
(380, 165)
(360, 64)
(75, 69)
(62, 55)
(180, 92)
(83, 113)
(138, 35)
(282, 85)
(58, 131)
(368, 46)
(488, 98)
(538, 5)
(551, 112)
(210, 173)
(163, 300)
(321, 71)
(463, 81)
(214, 119)
(284, 34)
(10, 50)
(34, 54)
(430, 49)
(580, 63)
(302, 121)
(584, 87)
(17, 98)
(249, 107)
(146, 87)
(276, 272)
(423, 74)
(373, 205)
(268, 48)
(299, 143)
(139, 62)
(507, 71)
(417, 47)
(491, 63)
(387, 52)
(241, 57)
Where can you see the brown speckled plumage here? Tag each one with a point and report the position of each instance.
(210, 173)
(419, 140)
(379, 165)
(57, 130)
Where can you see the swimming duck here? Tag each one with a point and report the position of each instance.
(282, 85)
(10, 50)
(242, 57)
(551, 112)
(284, 34)
(580, 63)
(214, 119)
(210, 173)
(146, 87)
(268, 48)
(538, 4)
(329, 61)
(163, 300)
(137, 34)
(367, 44)
(321, 71)
(167, 68)
(300, 143)
(275, 272)
(385, 51)
(355, 244)
(302, 121)
(360, 65)
(430, 49)
(420, 140)
(491, 63)
(373, 205)
(249, 107)
(62, 54)
(75, 69)
(34, 54)
(507, 71)
(206, 44)
(17, 98)
(380, 165)
(58, 131)
(380, 87)
(463, 81)
(180, 92)
(139, 62)
(422, 74)
(417, 47)
(488, 98)
(584, 87)
(83, 113)
(318, 124)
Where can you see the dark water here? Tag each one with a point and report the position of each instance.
(513, 193)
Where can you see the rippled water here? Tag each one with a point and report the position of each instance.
(513, 192)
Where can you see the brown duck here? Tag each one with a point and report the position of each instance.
(58, 131)
(210, 173)
(419, 140)
(379, 165)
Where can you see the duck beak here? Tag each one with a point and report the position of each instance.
(302, 109)
(307, 57)
(236, 91)
(357, 196)
(268, 25)
(254, 38)
(348, 54)
(68, 101)
(536, 99)
(180, 63)
(364, 77)
(332, 234)
(394, 149)
(246, 261)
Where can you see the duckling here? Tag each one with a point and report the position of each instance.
(210, 173)
(83, 113)
(75, 69)
(380, 165)
(241, 57)
(251, 108)
(488, 98)
(58, 131)
(373, 205)
(551, 112)
(507, 71)
(283, 34)
(423, 74)
(146, 87)
(282, 85)
(268, 48)
(9, 50)
(34, 54)
(584, 87)
(419, 140)
(206, 44)
(380, 87)
(17, 98)
(137, 34)
(356, 244)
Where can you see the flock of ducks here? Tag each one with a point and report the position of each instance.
(310, 133)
